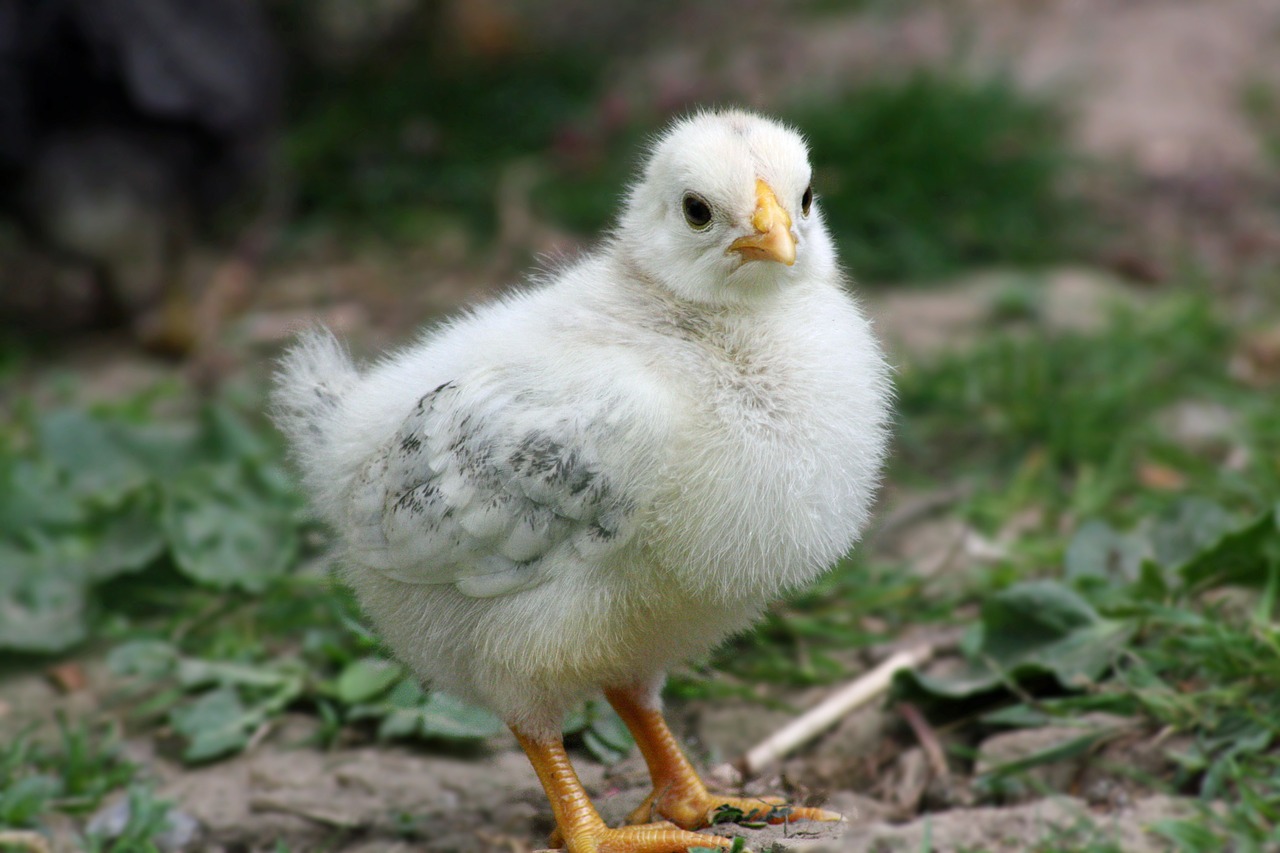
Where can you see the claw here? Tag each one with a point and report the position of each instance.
(678, 792)
(579, 828)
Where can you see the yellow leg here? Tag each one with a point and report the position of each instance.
(578, 823)
(679, 794)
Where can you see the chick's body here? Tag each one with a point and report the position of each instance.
(575, 487)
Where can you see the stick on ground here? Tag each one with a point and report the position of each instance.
(822, 716)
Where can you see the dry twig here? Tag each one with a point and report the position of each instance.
(822, 716)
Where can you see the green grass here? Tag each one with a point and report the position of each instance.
(409, 143)
(72, 775)
(922, 177)
(1188, 642)
(147, 825)
(918, 178)
(1068, 420)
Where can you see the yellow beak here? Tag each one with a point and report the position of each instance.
(773, 240)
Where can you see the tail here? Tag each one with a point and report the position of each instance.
(312, 379)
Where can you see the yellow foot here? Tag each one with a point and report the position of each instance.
(695, 809)
(578, 824)
(647, 838)
(678, 793)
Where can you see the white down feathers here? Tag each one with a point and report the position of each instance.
(584, 482)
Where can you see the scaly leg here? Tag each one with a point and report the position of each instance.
(579, 824)
(679, 794)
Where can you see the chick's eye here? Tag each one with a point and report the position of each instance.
(806, 200)
(696, 211)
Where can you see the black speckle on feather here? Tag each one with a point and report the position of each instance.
(475, 460)
(420, 500)
(600, 533)
(578, 480)
(539, 455)
(428, 400)
(317, 413)
(543, 483)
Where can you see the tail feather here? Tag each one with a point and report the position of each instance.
(312, 379)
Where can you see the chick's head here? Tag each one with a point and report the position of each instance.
(724, 211)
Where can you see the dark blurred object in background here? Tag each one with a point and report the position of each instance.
(125, 126)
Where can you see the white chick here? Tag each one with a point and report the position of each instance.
(608, 472)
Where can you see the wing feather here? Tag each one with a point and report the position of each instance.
(478, 490)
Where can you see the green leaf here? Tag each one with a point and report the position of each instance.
(1192, 526)
(364, 679)
(225, 435)
(1240, 556)
(89, 451)
(198, 672)
(445, 716)
(409, 711)
(398, 724)
(577, 720)
(1151, 586)
(33, 496)
(214, 725)
(1097, 550)
(94, 495)
(145, 658)
(42, 609)
(610, 728)
(224, 534)
(1030, 629)
(127, 540)
(1039, 620)
(604, 752)
(608, 737)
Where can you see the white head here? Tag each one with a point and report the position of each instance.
(724, 211)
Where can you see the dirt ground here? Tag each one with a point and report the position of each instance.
(1155, 83)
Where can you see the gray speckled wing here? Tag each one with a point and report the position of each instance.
(485, 493)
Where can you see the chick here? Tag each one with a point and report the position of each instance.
(569, 490)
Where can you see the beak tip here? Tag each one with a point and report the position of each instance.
(773, 240)
(777, 245)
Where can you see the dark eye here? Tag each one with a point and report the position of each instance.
(696, 211)
(806, 200)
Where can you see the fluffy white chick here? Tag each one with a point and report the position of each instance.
(570, 489)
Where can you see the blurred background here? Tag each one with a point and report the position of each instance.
(190, 173)
(1063, 216)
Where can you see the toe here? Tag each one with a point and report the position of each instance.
(772, 810)
(653, 838)
(822, 815)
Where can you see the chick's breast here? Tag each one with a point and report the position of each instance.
(773, 476)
